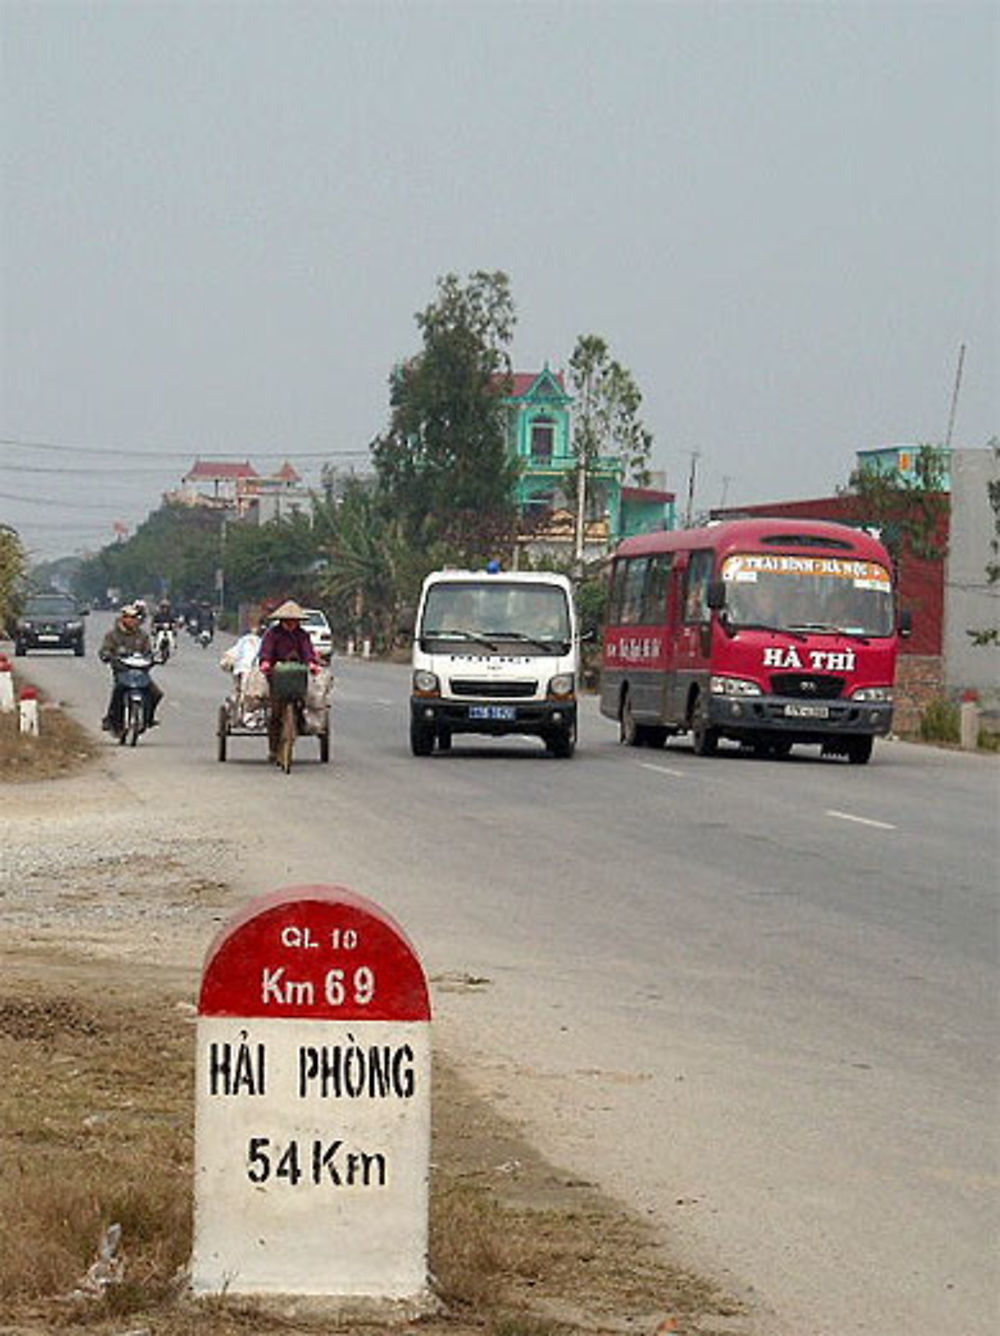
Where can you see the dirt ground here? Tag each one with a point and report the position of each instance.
(96, 1117)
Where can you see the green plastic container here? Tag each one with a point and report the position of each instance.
(289, 681)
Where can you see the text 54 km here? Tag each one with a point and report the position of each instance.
(314, 1162)
(337, 988)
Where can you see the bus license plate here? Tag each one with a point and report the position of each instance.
(492, 712)
(807, 711)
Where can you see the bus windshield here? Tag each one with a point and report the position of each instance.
(784, 592)
(492, 609)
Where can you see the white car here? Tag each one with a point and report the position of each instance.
(316, 624)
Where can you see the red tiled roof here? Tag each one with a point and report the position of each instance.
(522, 381)
(217, 469)
(288, 474)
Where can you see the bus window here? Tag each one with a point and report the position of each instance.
(699, 575)
(635, 578)
(654, 594)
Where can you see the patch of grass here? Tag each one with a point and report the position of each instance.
(61, 748)
(939, 721)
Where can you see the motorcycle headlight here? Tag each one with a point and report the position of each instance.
(425, 683)
(734, 686)
(883, 694)
(561, 685)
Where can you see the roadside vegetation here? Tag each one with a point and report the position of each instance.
(96, 1130)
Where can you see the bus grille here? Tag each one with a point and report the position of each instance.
(470, 686)
(808, 686)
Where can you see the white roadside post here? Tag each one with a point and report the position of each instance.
(27, 707)
(312, 1109)
(6, 685)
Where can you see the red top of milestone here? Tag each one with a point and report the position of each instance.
(314, 952)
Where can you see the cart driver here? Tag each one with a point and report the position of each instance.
(285, 641)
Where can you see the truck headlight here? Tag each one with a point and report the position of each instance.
(425, 683)
(561, 685)
(734, 686)
(873, 694)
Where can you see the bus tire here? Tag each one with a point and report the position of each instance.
(859, 750)
(704, 738)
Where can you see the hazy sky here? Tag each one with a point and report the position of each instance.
(218, 220)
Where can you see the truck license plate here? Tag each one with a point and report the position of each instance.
(492, 712)
(793, 711)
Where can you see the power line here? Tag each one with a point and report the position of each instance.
(124, 452)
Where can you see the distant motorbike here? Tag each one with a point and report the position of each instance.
(132, 673)
(164, 642)
(205, 637)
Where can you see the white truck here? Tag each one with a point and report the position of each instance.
(496, 653)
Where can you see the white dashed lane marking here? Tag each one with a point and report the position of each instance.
(861, 820)
(662, 770)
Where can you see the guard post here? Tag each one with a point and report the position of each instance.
(312, 1108)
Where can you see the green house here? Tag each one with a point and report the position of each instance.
(541, 437)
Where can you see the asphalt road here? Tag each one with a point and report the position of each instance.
(756, 1000)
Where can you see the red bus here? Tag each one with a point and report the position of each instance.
(770, 632)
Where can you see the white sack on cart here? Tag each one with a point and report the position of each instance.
(317, 701)
(253, 686)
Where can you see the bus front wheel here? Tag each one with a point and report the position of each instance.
(859, 750)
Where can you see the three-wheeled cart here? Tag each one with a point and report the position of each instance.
(247, 717)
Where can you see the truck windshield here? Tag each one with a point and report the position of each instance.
(808, 594)
(492, 610)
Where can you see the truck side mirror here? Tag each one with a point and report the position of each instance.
(717, 595)
(905, 624)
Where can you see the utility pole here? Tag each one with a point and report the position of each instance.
(954, 397)
(581, 507)
(689, 512)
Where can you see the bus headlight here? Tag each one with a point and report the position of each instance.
(734, 686)
(561, 685)
(873, 694)
(426, 684)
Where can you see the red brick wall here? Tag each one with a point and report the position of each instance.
(919, 680)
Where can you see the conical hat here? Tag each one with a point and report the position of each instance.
(288, 611)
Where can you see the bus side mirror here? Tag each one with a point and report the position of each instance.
(905, 625)
(717, 595)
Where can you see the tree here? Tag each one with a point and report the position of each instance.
(13, 569)
(443, 465)
(371, 570)
(909, 510)
(606, 421)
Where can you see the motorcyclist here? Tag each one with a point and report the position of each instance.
(164, 615)
(127, 637)
(206, 619)
(285, 641)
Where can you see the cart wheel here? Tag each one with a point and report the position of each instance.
(324, 745)
(288, 731)
(222, 731)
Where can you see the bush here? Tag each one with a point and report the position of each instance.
(940, 721)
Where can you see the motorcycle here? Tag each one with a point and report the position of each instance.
(164, 643)
(133, 681)
(205, 637)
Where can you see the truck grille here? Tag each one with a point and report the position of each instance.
(472, 686)
(807, 686)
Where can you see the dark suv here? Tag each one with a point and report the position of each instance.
(49, 621)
